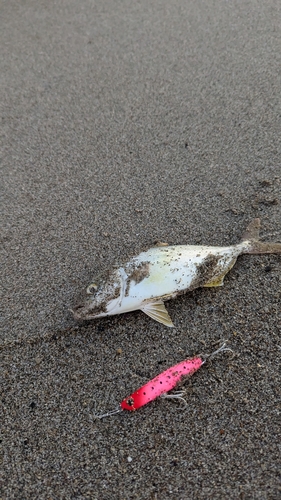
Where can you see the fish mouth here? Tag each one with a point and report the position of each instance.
(78, 311)
(88, 311)
(82, 313)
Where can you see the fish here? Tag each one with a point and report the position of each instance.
(163, 383)
(161, 273)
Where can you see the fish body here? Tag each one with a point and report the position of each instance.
(162, 273)
(170, 271)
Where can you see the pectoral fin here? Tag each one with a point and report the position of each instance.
(157, 311)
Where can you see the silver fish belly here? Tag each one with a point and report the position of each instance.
(162, 273)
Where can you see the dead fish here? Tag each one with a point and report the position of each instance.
(162, 273)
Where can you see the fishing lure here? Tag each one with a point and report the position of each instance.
(161, 273)
(163, 383)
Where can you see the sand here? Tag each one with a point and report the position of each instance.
(124, 123)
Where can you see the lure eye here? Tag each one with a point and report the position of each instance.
(92, 288)
(130, 402)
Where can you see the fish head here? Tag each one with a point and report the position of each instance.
(103, 297)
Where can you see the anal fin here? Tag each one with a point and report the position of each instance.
(157, 311)
(218, 279)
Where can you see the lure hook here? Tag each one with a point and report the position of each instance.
(176, 395)
(221, 349)
(109, 413)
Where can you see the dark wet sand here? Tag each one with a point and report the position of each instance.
(123, 123)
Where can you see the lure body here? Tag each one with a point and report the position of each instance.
(164, 382)
(162, 273)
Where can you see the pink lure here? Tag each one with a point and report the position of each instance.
(164, 382)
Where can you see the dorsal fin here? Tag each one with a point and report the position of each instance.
(160, 244)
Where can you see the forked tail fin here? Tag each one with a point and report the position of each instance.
(256, 246)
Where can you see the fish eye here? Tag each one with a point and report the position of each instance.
(92, 288)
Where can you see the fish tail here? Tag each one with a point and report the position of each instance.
(256, 246)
